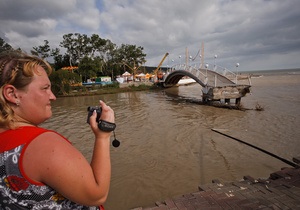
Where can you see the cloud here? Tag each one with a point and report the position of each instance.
(259, 34)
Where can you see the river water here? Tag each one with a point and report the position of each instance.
(167, 145)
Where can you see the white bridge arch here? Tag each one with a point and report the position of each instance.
(217, 83)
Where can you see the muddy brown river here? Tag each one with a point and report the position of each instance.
(167, 145)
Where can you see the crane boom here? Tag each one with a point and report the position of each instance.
(159, 65)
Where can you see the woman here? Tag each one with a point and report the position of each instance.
(39, 168)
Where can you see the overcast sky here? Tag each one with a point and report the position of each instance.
(257, 34)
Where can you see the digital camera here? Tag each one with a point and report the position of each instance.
(102, 124)
(90, 110)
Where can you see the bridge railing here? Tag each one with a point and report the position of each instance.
(192, 69)
(225, 72)
(199, 71)
(219, 69)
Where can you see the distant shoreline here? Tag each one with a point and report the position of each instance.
(272, 71)
(143, 86)
(124, 87)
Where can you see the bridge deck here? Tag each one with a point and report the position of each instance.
(216, 86)
(215, 79)
(280, 191)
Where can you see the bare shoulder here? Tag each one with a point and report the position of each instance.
(52, 146)
(49, 138)
(49, 153)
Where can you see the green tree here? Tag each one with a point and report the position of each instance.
(59, 59)
(131, 56)
(108, 51)
(42, 51)
(107, 55)
(98, 45)
(62, 80)
(93, 55)
(4, 46)
(91, 67)
(85, 69)
(77, 46)
(100, 66)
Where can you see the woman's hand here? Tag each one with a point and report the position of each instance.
(107, 114)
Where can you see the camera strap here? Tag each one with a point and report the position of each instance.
(106, 126)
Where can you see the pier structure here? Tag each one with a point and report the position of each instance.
(217, 84)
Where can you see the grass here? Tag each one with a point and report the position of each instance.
(107, 89)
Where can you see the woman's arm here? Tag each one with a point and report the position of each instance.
(52, 160)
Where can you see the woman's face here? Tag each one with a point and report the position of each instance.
(35, 100)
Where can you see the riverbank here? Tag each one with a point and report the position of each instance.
(95, 89)
(120, 88)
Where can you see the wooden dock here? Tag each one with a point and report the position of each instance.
(280, 191)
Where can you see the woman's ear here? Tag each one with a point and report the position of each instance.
(9, 93)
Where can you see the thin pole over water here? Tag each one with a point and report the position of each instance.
(255, 147)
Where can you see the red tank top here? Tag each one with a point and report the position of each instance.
(16, 189)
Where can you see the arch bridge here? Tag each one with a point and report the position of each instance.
(217, 84)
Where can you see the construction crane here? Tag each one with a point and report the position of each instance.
(159, 74)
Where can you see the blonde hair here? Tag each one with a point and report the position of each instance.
(16, 68)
